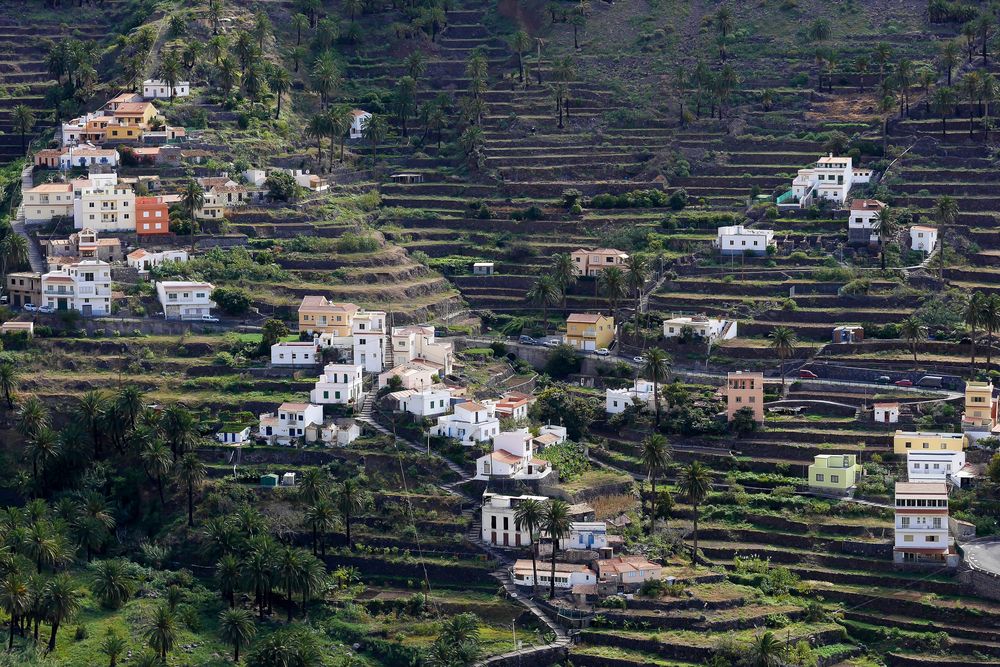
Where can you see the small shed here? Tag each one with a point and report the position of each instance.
(270, 480)
(482, 269)
(12, 327)
(887, 413)
(848, 333)
(288, 479)
(407, 178)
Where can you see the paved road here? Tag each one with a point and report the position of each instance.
(984, 554)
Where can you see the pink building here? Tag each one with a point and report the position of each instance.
(745, 390)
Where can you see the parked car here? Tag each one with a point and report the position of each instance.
(209, 318)
(30, 307)
(930, 381)
(46, 309)
(903, 383)
(883, 379)
(602, 352)
(551, 343)
(639, 360)
(807, 374)
(526, 340)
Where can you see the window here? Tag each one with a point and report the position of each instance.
(834, 479)
(904, 522)
(907, 538)
(820, 477)
(932, 538)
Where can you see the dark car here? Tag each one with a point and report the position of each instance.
(807, 374)
(883, 379)
(527, 340)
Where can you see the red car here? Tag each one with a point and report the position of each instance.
(807, 375)
(903, 383)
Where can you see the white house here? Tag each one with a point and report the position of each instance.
(550, 434)
(415, 375)
(739, 240)
(921, 525)
(347, 431)
(143, 260)
(887, 413)
(934, 466)
(158, 89)
(709, 328)
(339, 384)
(586, 535)
(618, 400)
(568, 575)
(514, 405)
(417, 343)
(233, 434)
(295, 353)
(84, 286)
(358, 120)
(185, 300)
(513, 457)
(430, 402)
(862, 223)
(469, 423)
(105, 208)
(498, 525)
(830, 178)
(340, 432)
(923, 238)
(87, 155)
(368, 332)
(289, 422)
(482, 268)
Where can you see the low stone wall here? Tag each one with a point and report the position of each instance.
(530, 658)
(899, 660)
(981, 583)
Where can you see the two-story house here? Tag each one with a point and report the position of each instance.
(48, 201)
(513, 457)
(745, 390)
(499, 527)
(289, 423)
(623, 574)
(834, 473)
(592, 262)
(105, 208)
(184, 299)
(863, 223)
(83, 286)
(741, 240)
(418, 343)
(589, 331)
(469, 423)
(317, 315)
(425, 403)
(143, 261)
(339, 384)
(906, 441)
(295, 353)
(619, 400)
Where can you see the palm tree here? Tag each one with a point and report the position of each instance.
(170, 71)
(611, 281)
(926, 77)
(990, 90)
(904, 78)
(193, 198)
(180, 429)
(766, 650)
(289, 570)
(42, 449)
(415, 65)
(10, 380)
(519, 43)
(783, 342)
(990, 320)
(340, 119)
(32, 417)
(973, 317)
(656, 367)
(351, 498)
(913, 331)
(258, 570)
(374, 130)
(886, 226)
(13, 251)
(113, 646)
(950, 57)
(15, 599)
(61, 602)
(971, 86)
(227, 576)
(563, 271)
(985, 24)
(236, 627)
(528, 516)
(544, 293)
(943, 101)
(280, 82)
(885, 106)
(156, 459)
(403, 97)
(695, 482)
(636, 275)
(311, 580)
(43, 545)
(113, 582)
(161, 632)
(23, 119)
(555, 522)
(190, 473)
(655, 456)
(946, 212)
(861, 67)
(319, 127)
(321, 517)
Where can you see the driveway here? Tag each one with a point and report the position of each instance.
(984, 554)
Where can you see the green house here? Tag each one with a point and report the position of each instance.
(834, 473)
(270, 480)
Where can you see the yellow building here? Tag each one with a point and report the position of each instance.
(913, 441)
(318, 315)
(135, 113)
(587, 331)
(129, 132)
(979, 407)
(836, 473)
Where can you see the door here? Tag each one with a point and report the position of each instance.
(517, 539)
(88, 310)
(589, 345)
(493, 537)
(62, 304)
(506, 539)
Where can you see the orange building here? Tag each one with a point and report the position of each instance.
(151, 216)
(48, 158)
(745, 390)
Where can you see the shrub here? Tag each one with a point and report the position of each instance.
(352, 242)
(232, 300)
(678, 199)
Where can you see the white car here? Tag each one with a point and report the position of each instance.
(551, 343)
(46, 309)
(602, 352)
(30, 307)
(209, 318)
(639, 360)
